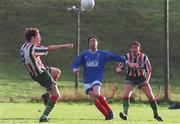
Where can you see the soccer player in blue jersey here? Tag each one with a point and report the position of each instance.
(138, 76)
(30, 53)
(93, 61)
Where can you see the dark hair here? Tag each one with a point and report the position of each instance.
(92, 36)
(30, 32)
(135, 43)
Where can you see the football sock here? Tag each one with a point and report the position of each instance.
(50, 105)
(101, 108)
(103, 101)
(126, 105)
(153, 105)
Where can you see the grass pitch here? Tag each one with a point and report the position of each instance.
(82, 113)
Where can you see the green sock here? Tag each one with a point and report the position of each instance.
(126, 106)
(154, 107)
(49, 107)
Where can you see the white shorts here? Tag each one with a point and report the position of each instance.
(89, 86)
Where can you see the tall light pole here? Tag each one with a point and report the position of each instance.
(78, 10)
(166, 32)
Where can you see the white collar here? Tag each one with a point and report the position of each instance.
(92, 52)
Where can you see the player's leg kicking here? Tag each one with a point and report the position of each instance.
(55, 73)
(53, 97)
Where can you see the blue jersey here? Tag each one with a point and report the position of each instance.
(94, 64)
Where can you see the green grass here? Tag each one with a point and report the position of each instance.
(82, 113)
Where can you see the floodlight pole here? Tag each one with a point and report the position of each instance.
(166, 31)
(78, 45)
(78, 10)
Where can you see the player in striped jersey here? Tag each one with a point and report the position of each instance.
(93, 61)
(139, 77)
(30, 53)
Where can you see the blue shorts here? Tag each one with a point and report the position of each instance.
(89, 86)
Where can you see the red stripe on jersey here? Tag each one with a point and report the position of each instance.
(140, 64)
(30, 68)
(131, 69)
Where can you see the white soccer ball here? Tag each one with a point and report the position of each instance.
(87, 4)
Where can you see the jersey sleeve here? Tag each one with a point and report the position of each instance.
(77, 62)
(40, 50)
(115, 57)
(147, 65)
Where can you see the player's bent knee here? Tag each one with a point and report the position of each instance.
(58, 72)
(57, 75)
(96, 95)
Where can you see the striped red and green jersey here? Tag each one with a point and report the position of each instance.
(30, 56)
(143, 62)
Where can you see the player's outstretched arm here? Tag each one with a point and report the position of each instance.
(59, 46)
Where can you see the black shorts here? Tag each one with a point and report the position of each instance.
(135, 81)
(45, 79)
